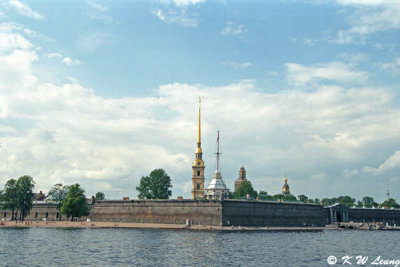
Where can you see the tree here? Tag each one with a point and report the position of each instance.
(329, 201)
(390, 203)
(290, 197)
(25, 185)
(278, 197)
(75, 204)
(100, 196)
(9, 196)
(302, 198)
(369, 202)
(263, 195)
(58, 194)
(155, 186)
(347, 200)
(244, 189)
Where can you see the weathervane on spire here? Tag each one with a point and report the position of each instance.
(387, 189)
(218, 153)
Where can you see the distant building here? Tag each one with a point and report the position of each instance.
(217, 188)
(198, 167)
(39, 196)
(242, 177)
(285, 188)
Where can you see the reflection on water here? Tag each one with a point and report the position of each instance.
(139, 247)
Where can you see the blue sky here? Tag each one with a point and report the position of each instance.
(102, 92)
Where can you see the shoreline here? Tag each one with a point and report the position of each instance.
(98, 225)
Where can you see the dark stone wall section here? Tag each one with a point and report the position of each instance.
(375, 215)
(158, 211)
(262, 213)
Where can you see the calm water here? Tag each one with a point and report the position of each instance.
(137, 247)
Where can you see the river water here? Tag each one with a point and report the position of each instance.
(153, 247)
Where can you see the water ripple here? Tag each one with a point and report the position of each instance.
(143, 247)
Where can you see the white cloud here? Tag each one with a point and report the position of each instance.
(64, 60)
(54, 55)
(25, 10)
(393, 66)
(350, 173)
(238, 65)
(300, 75)
(181, 12)
(70, 61)
(233, 29)
(369, 17)
(185, 3)
(181, 17)
(355, 57)
(393, 161)
(99, 12)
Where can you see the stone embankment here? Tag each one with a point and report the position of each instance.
(364, 226)
(79, 224)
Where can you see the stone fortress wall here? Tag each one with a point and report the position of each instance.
(211, 212)
(369, 215)
(263, 213)
(158, 211)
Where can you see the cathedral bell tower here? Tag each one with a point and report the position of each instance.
(198, 167)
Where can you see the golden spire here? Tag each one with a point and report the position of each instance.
(199, 135)
(198, 150)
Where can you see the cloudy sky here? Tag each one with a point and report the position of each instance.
(102, 92)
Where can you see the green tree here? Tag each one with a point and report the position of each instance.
(25, 185)
(10, 197)
(347, 200)
(390, 203)
(317, 201)
(75, 204)
(155, 186)
(58, 194)
(290, 197)
(369, 202)
(278, 197)
(359, 204)
(244, 189)
(303, 198)
(263, 195)
(100, 196)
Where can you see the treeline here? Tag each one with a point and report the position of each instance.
(246, 188)
(17, 196)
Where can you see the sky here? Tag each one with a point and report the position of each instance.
(100, 93)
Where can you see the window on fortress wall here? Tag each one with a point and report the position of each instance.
(57, 215)
(35, 214)
(198, 173)
(5, 215)
(47, 215)
(198, 186)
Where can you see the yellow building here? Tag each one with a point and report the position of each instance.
(242, 177)
(285, 188)
(198, 166)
